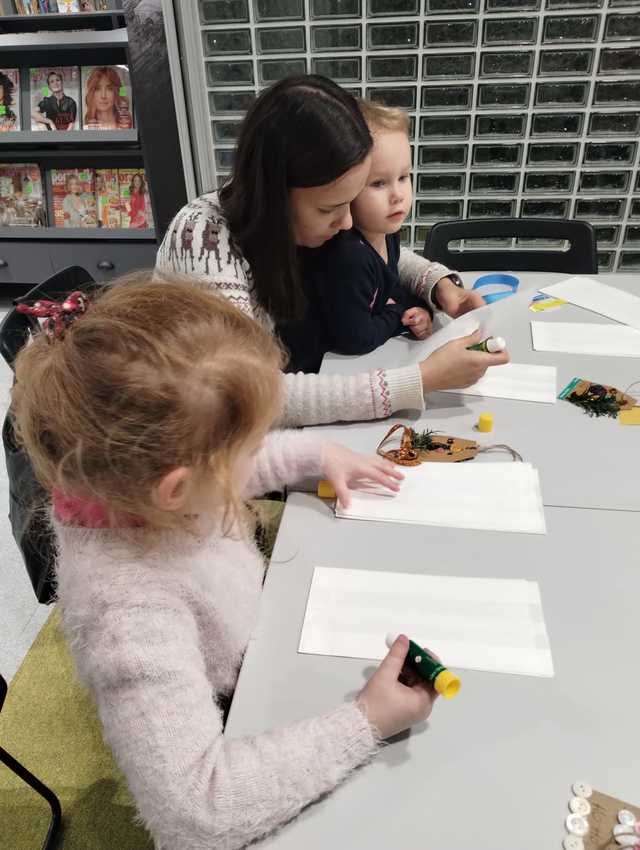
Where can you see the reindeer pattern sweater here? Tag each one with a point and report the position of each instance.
(197, 243)
(158, 637)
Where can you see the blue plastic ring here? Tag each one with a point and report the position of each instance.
(507, 280)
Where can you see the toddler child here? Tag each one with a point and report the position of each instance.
(148, 417)
(356, 301)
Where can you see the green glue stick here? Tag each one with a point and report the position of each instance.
(491, 345)
(444, 681)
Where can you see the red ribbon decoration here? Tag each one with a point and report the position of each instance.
(58, 316)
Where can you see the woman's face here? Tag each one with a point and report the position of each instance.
(105, 95)
(319, 212)
(74, 187)
(137, 182)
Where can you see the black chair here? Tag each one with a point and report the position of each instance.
(29, 528)
(580, 257)
(38, 786)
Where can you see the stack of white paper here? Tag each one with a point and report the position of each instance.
(599, 298)
(491, 496)
(602, 340)
(488, 624)
(515, 380)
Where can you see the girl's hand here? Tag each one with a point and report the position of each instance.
(347, 470)
(453, 367)
(389, 705)
(418, 320)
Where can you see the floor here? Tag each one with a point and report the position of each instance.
(21, 616)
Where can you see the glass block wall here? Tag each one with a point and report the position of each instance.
(519, 107)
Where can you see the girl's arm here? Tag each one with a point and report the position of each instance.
(309, 399)
(195, 788)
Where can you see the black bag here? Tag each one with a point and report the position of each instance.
(26, 497)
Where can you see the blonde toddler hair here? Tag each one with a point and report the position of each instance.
(380, 117)
(159, 373)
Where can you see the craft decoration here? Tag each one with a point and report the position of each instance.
(596, 399)
(599, 822)
(418, 447)
(57, 316)
(507, 280)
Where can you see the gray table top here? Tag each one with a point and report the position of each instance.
(583, 462)
(494, 767)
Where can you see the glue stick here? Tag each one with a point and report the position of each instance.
(445, 682)
(491, 345)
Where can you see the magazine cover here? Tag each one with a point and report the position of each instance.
(135, 204)
(21, 196)
(68, 7)
(55, 98)
(74, 200)
(106, 98)
(107, 197)
(9, 99)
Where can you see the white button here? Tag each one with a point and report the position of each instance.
(579, 806)
(577, 825)
(582, 789)
(626, 817)
(624, 829)
(573, 842)
(627, 840)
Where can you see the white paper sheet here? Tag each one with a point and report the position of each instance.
(492, 496)
(583, 338)
(495, 625)
(599, 298)
(519, 381)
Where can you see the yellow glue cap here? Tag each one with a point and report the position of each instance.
(447, 684)
(325, 490)
(630, 416)
(485, 422)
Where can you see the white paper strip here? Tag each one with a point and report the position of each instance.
(495, 625)
(516, 380)
(599, 298)
(491, 496)
(602, 340)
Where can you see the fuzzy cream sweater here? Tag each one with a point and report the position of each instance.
(159, 638)
(197, 244)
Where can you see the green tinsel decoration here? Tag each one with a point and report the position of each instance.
(422, 441)
(607, 405)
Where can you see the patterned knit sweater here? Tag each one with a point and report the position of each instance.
(197, 244)
(158, 637)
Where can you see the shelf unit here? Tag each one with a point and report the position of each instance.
(29, 255)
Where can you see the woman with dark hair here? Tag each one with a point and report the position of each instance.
(303, 155)
(8, 117)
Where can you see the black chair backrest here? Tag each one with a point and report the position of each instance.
(16, 328)
(30, 530)
(580, 258)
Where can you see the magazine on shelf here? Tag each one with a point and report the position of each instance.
(106, 98)
(107, 198)
(21, 196)
(55, 98)
(135, 204)
(74, 199)
(68, 7)
(9, 99)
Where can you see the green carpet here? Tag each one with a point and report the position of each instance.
(49, 724)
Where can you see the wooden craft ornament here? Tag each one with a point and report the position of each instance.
(432, 447)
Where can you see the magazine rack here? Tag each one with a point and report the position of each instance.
(29, 255)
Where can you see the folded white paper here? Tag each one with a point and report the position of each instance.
(599, 298)
(602, 340)
(516, 380)
(492, 496)
(495, 625)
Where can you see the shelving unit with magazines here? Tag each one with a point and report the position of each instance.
(73, 187)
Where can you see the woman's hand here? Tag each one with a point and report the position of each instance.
(453, 367)
(388, 704)
(454, 300)
(348, 470)
(418, 320)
